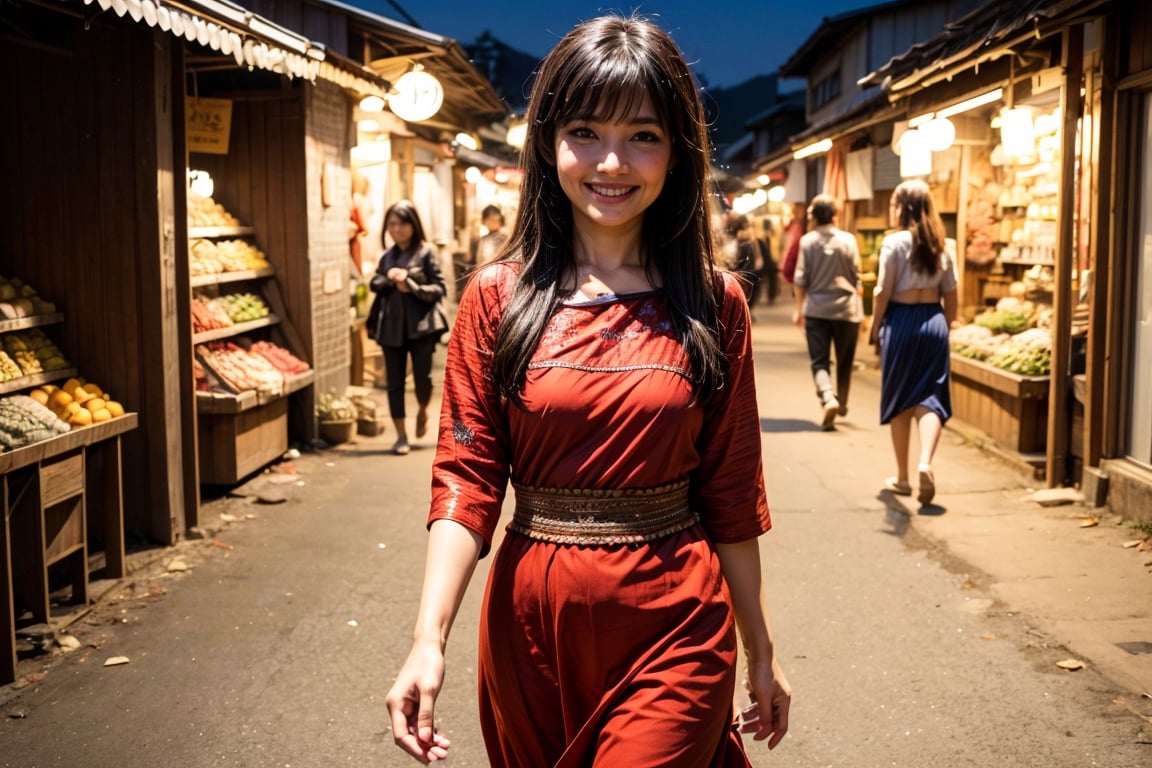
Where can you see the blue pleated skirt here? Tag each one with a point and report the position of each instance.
(914, 360)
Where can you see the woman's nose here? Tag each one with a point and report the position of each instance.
(614, 161)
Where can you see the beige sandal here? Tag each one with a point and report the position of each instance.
(897, 487)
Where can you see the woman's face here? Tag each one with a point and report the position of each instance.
(400, 231)
(613, 170)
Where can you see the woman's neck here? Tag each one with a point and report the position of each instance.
(607, 249)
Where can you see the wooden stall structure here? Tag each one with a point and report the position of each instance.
(53, 493)
(1010, 408)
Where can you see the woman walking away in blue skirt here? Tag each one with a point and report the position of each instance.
(914, 306)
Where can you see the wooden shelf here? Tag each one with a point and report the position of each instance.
(20, 323)
(36, 379)
(232, 277)
(220, 403)
(234, 330)
(1026, 263)
(294, 382)
(78, 437)
(1023, 387)
(209, 233)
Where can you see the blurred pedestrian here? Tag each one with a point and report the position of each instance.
(770, 275)
(741, 254)
(407, 318)
(794, 230)
(605, 371)
(489, 245)
(829, 304)
(914, 306)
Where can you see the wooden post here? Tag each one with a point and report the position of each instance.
(1070, 106)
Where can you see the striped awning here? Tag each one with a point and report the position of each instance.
(232, 30)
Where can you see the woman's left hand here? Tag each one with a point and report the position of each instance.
(399, 276)
(768, 717)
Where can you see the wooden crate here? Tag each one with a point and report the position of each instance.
(234, 446)
(1011, 409)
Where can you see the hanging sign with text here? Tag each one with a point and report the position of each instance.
(207, 125)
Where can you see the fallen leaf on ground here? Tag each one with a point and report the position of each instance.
(116, 661)
(221, 545)
(987, 637)
(1088, 522)
(1070, 664)
(1133, 543)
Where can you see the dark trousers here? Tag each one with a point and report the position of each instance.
(396, 371)
(823, 336)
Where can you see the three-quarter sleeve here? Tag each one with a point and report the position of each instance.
(471, 468)
(728, 485)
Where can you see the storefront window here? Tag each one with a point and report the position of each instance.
(1140, 432)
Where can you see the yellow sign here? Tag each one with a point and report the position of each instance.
(207, 125)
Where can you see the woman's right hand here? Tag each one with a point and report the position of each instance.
(411, 703)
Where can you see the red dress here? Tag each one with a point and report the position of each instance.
(621, 655)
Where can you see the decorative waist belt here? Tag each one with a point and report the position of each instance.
(622, 516)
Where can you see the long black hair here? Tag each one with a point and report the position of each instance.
(602, 70)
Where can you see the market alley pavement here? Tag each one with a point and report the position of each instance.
(934, 636)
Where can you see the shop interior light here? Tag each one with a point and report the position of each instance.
(200, 182)
(473, 175)
(972, 103)
(815, 148)
(939, 133)
(372, 103)
(417, 96)
(1017, 134)
(750, 201)
(915, 156)
(368, 126)
(467, 140)
(763, 179)
(776, 193)
(517, 132)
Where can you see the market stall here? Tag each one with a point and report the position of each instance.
(247, 360)
(60, 469)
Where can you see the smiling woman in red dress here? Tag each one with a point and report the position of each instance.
(604, 371)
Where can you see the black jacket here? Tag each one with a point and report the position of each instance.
(395, 316)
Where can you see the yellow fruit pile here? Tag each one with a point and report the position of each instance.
(78, 402)
(206, 212)
(32, 351)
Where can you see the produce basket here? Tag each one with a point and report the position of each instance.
(338, 431)
(370, 427)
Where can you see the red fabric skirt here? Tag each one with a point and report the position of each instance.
(617, 656)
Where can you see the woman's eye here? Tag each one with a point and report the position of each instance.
(647, 136)
(581, 132)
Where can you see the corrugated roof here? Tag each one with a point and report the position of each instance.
(982, 34)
